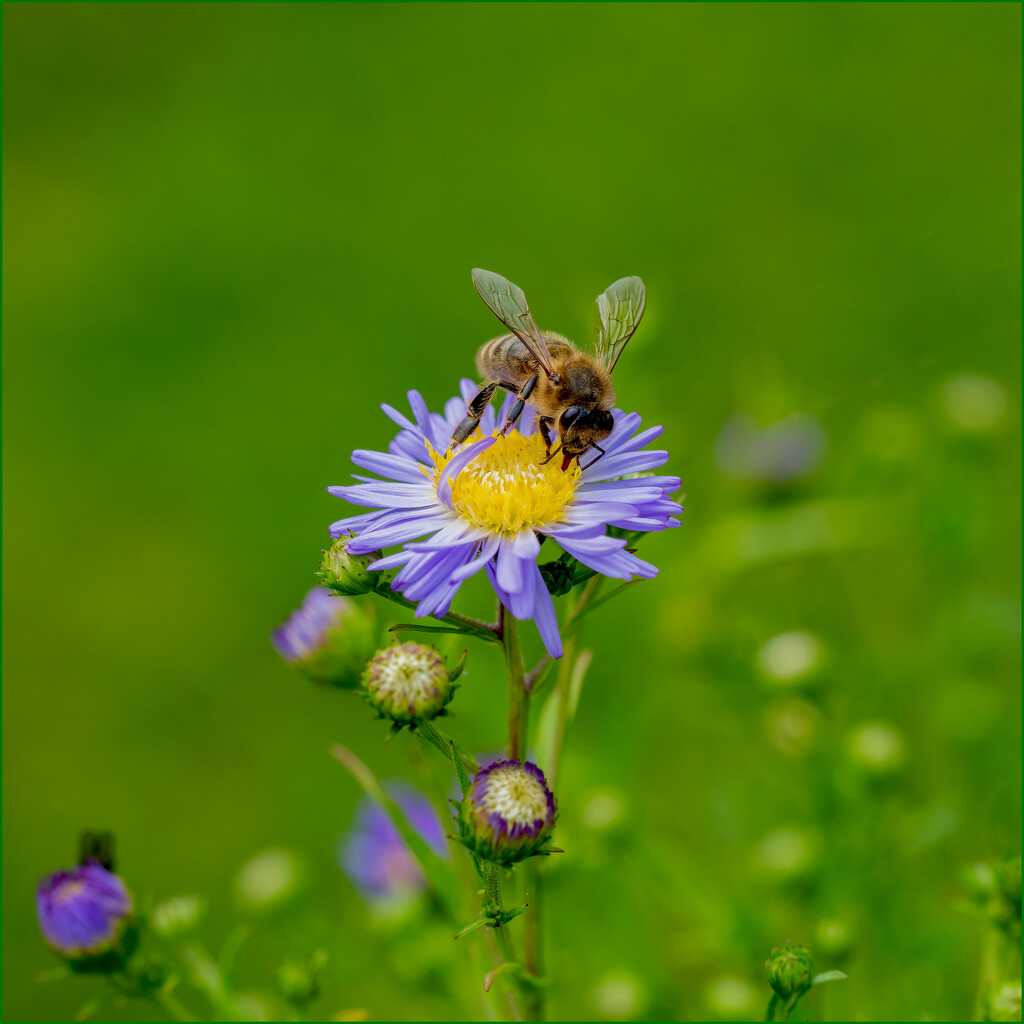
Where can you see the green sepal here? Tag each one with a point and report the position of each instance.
(110, 961)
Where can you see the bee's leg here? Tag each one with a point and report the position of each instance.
(544, 425)
(517, 410)
(476, 409)
(592, 461)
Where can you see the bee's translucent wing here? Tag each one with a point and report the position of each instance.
(508, 303)
(619, 309)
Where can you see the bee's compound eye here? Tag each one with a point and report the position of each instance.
(601, 419)
(570, 415)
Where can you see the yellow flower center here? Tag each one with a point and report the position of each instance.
(505, 489)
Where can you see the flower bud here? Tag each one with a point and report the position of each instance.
(508, 814)
(299, 980)
(347, 574)
(178, 917)
(790, 971)
(408, 683)
(85, 915)
(329, 638)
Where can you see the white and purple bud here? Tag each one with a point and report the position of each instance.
(508, 813)
(408, 683)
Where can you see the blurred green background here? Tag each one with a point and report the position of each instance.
(231, 231)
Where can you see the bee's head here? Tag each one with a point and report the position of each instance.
(579, 428)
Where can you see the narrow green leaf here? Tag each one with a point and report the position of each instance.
(820, 979)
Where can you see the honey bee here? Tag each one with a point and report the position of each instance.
(568, 388)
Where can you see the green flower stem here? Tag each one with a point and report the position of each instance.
(533, 937)
(443, 743)
(518, 699)
(460, 623)
(207, 978)
(170, 1005)
(780, 1009)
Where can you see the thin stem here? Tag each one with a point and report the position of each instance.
(518, 699)
(533, 937)
(443, 743)
(170, 1005)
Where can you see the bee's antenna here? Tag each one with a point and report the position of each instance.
(554, 452)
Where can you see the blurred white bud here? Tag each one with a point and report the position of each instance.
(877, 748)
(974, 404)
(787, 854)
(790, 659)
(832, 937)
(730, 998)
(603, 809)
(178, 916)
(619, 995)
(270, 880)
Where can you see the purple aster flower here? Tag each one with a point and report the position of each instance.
(82, 912)
(329, 638)
(374, 854)
(777, 454)
(509, 812)
(483, 507)
(306, 630)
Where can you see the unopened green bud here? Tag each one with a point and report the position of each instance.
(1002, 1001)
(179, 916)
(347, 574)
(790, 971)
(408, 683)
(299, 980)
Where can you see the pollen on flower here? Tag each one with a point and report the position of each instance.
(506, 489)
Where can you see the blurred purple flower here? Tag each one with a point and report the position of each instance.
(375, 856)
(81, 911)
(776, 454)
(306, 630)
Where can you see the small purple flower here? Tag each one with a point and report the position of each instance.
(374, 854)
(509, 812)
(306, 631)
(776, 454)
(487, 505)
(82, 912)
(329, 638)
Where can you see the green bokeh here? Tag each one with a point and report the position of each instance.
(231, 231)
